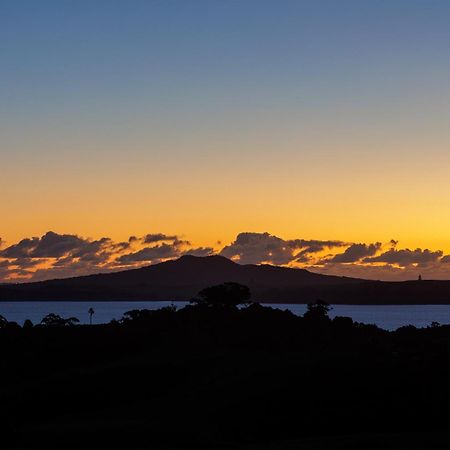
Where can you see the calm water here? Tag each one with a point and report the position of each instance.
(388, 317)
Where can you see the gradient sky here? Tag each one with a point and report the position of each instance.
(324, 120)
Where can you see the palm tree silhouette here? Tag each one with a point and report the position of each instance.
(91, 313)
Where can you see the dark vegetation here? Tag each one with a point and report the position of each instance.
(183, 278)
(224, 373)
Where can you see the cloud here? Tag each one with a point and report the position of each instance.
(200, 251)
(62, 255)
(53, 245)
(25, 263)
(157, 252)
(158, 237)
(406, 257)
(21, 249)
(257, 248)
(163, 251)
(56, 255)
(354, 253)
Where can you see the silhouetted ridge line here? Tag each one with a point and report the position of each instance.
(181, 279)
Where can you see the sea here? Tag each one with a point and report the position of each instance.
(389, 317)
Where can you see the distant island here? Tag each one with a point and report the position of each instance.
(181, 279)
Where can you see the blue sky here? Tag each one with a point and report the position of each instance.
(123, 54)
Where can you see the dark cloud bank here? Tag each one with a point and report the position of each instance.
(63, 255)
(56, 255)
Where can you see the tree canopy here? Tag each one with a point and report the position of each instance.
(55, 320)
(223, 295)
(317, 310)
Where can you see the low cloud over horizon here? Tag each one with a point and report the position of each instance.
(56, 255)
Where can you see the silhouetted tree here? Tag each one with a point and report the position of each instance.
(54, 320)
(71, 321)
(136, 314)
(28, 324)
(317, 310)
(91, 313)
(224, 295)
(3, 322)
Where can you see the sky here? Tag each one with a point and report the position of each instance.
(231, 127)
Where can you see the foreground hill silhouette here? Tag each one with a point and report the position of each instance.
(182, 278)
(212, 376)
